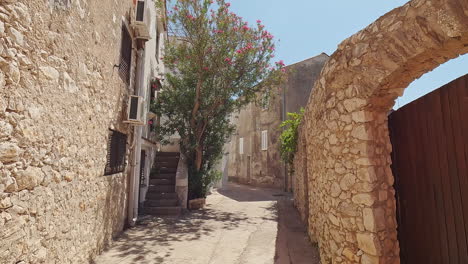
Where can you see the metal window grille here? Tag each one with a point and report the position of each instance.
(125, 55)
(116, 152)
(142, 168)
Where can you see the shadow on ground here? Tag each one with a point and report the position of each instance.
(162, 239)
(242, 193)
(163, 231)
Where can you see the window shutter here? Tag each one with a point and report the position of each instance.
(265, 140)
(241, 146)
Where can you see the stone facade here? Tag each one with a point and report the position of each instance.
(59, 96)
(351, 196)
(264, 167)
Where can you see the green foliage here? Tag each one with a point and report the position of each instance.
(288, 138)
(216, 65)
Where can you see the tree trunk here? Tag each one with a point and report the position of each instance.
(198, 157)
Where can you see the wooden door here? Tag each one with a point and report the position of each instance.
(430, 160)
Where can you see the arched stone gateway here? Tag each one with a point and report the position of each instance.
(352, 205)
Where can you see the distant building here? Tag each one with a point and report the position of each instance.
(254, 156)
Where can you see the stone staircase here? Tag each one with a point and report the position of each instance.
(161, 198)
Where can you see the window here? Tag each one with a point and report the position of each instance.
(125, 55)
(241, 146)
(264, 139)
(140, 11)
(157, 45)
(116, 150)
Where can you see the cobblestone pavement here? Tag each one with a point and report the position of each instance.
(240, 225)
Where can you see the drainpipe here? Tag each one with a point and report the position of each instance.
(137, 131)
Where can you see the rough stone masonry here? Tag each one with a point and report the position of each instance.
(349, 193)
(59, 95)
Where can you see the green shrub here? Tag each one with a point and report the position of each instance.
(288, 138)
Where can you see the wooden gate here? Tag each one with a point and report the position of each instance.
(430, 160)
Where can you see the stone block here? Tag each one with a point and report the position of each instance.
(347, 181)
(364, 199)
(374, 219)
(361, 132)
(369, 243)
(29, 178)
(9, 152)
(354, 104)
(369, 259)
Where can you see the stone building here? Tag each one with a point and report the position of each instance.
(254, 156)
(74, 90)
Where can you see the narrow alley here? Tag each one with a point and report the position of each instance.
(239, 225)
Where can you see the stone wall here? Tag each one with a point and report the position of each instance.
(59, 95)
(299, 177)
(350, 183)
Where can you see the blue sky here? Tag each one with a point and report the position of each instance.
(306, 28)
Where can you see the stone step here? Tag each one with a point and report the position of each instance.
(167, 154)
(167, 170)
(161, 196)
(164, 210)
(161, 188)
(161, 202)
(163, 181)
(168, 176)
(166, 163)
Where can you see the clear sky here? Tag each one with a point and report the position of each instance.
(306, 28)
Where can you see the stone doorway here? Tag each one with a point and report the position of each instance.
(351, 194)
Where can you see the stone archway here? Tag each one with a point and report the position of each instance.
(352, 205)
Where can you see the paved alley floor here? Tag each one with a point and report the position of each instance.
(240, 225)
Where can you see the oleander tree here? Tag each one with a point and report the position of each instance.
(216, 64)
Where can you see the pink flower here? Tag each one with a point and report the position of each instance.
(239, 51)
(259, 21)
(245, 28)
(227, 60)
(280, 63)
(228, 4)
(283, 70)
(206, 68)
